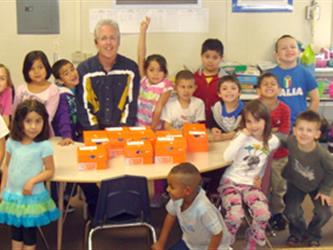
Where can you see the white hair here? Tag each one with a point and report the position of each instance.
(106, 22)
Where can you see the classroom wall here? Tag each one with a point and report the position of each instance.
(248, 37)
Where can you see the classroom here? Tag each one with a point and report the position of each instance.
(64, 29)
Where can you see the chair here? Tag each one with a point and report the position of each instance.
(216, 200)
(122, 202)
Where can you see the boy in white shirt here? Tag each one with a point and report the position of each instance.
(184, 108)
(201, 223)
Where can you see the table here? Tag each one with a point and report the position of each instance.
(66, 170)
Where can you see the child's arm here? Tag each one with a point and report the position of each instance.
(142, 45)
(200, 116)
(4, 173)
(45, 175)
(159, 107)
(326, 185)
(2, 149)
(8, 103)
(218, 135)
(17, 98)
(53, 101)
(314, 100)
(6, 119)
(167, 126)
(231, 151)
(325, 199)
(62, 122)
(167, 226)
(215, 241)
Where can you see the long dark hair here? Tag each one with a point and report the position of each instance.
(22, 110)
(29, 60)
(259, 111)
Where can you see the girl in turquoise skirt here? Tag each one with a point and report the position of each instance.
(26, 203)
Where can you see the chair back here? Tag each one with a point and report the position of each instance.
(122, 200)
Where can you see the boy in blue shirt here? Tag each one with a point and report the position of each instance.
(296, 82)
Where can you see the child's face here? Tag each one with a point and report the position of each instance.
(3, 79)
(287, 51)
(176, 188)
(32, 124)
(228, 92)
(255, 127)
(37, 73)
(185, 89)
(306, 132)
(154, 73)
(69, 75)
(269, 88)
(211, 60)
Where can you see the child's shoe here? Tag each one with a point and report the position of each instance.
(278, 222)
(314, 243)
(293, 241)
(251, 242)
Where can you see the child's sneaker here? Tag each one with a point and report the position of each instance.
(293, 241)
(314, 243)
(278, 222)
(251, 242)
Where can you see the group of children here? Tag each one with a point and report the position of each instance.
(43, 109)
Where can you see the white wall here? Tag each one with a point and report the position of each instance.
(248, 37)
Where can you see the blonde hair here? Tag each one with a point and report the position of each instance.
(9, 79)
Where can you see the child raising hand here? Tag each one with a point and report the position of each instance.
(155, 88)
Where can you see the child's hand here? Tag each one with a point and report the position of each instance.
(246, 131)
(157, 246)
(324, 199)
(27, 189)
(257, 182)
(65, 142)
(216, 131)
(145, 24)
(216, 134)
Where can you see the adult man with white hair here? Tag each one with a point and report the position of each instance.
(108, 91)
(109, 83)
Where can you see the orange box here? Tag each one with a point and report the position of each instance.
(92, 157)
(169, 133)
(196, 137)
(117, 140)
(138, 152)
(170, 150)
(95, 137)
(141, 134)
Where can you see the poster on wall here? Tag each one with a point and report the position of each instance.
(262, 5)
(164, 20)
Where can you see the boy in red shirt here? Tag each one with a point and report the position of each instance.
(207, 77)
(268, 90)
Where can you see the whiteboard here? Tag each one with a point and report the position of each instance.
(162, 20)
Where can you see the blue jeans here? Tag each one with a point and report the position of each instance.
(180, 245)
(294, 212)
